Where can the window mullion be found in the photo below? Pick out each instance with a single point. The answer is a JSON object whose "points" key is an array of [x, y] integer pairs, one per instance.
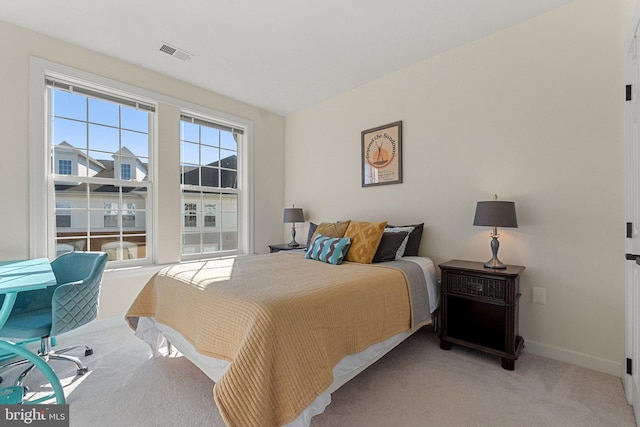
{"points": [[225, 190], [71, 179]]}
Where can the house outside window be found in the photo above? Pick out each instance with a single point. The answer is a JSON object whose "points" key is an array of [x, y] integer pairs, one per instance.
{"points": [[210, 192], [99, 130]]}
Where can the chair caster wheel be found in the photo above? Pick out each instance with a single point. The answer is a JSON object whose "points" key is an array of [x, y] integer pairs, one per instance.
{"points": [[82, 371], [88, 351]]}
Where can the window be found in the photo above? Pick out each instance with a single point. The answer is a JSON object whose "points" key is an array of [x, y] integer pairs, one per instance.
{"points": [[210, 192], [190, 215], [63, 214], [125, 172], [110, 214], [100, 124], [65, 167], [209, 215], [129, 215], [99, 130]]}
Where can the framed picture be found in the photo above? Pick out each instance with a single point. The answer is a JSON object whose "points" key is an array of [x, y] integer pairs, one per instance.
{"points": [[382, 155]]}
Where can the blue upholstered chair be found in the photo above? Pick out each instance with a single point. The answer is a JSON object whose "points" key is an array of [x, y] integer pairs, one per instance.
{"points": [[46, 313]]}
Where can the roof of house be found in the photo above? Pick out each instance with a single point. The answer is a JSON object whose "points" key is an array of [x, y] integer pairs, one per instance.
{"points": [[209, 174]]}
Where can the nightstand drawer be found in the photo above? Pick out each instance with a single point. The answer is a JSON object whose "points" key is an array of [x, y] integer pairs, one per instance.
{"points": [[476, 285]]}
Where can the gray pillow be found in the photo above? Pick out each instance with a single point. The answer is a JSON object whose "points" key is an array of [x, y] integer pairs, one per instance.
{"points": [[413, 244], [389, 245]]}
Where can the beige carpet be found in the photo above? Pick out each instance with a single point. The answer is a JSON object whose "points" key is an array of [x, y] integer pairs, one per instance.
{"points": [[416, 384]]}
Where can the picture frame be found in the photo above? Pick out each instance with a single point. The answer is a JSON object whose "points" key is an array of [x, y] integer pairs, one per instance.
{"points": [[382, 155]]}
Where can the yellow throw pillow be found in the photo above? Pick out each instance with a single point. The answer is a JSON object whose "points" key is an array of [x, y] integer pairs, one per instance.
{"points": [[331, 229], [365, 238]]}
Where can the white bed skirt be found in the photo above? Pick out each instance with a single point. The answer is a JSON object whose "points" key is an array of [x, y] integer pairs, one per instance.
{"points": [[156, 335]]}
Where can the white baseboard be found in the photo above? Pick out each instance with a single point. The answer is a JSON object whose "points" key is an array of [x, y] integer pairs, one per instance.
{"points": [[575, 358]]}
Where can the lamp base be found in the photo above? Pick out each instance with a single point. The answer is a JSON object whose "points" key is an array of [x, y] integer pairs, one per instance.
{"points": [[495, 263], [293, 243]]}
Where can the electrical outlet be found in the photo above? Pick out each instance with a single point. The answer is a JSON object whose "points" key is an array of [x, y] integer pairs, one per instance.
{"points": [[537, 295]]}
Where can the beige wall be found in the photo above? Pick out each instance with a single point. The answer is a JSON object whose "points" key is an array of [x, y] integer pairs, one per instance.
{"points": [[533, 113], [119, 288]]}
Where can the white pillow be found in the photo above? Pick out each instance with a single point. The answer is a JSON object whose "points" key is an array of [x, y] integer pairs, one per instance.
{"points": [[403, 245]]}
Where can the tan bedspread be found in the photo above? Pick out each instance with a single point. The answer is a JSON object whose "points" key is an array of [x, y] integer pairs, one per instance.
{"points": [[283, 323]]}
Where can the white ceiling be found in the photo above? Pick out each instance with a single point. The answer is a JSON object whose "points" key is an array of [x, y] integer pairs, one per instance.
{"points": [[280, 55]]}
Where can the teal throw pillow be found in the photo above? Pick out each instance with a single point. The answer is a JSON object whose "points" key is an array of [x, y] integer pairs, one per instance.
{"points": [[328, 249]]}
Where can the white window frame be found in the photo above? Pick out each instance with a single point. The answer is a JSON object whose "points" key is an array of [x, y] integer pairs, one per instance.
{"points": [[200, 221], [42, 199], [111, 221], [41, 218]]}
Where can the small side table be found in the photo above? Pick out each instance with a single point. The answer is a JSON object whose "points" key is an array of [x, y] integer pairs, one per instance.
{"points": [[284, 247], [479, 309]]}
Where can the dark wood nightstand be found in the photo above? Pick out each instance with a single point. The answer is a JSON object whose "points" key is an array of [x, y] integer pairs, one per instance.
{"points": [[284, 247], [479, 309]]}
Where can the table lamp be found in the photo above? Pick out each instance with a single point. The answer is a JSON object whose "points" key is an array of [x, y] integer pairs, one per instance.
{"points": [[293, 215], [495, 214]]}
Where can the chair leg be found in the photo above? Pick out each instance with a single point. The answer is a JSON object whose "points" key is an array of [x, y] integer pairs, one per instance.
{"points": [[58, 392], [46, 353], [81, 368], [23, 375], [49, 354], [9, 357], [44, 345], [88, 351]]}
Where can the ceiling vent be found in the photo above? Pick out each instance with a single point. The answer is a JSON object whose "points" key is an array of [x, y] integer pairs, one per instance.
{"points": [[175, 52]]}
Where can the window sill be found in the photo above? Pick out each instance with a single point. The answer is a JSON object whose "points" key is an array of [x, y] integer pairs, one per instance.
{"points": [[148, 269]]}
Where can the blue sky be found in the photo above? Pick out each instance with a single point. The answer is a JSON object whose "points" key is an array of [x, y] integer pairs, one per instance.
{"points": [[92, 124]]}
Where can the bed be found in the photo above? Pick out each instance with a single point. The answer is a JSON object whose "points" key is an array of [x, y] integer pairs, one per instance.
{"points": [[279, 333]]}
